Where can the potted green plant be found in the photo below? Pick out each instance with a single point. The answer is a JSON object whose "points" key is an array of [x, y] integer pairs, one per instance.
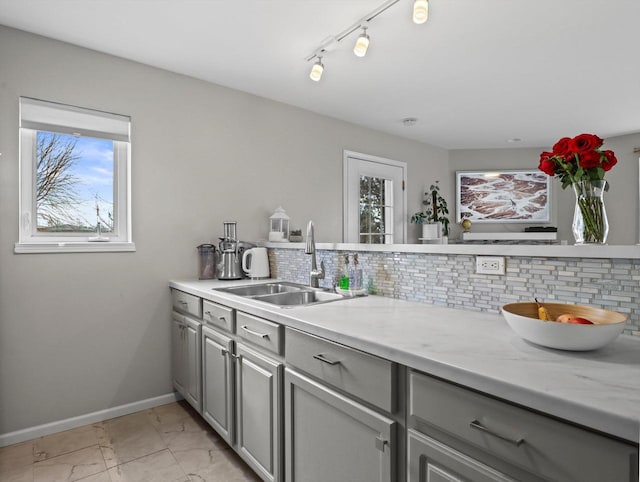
{"points": [[433, 217]]}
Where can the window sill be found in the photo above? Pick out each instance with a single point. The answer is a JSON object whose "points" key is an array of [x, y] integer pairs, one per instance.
{"points": [[73, 247]]}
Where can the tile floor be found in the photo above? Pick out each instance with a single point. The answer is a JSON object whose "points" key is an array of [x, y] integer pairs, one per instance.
{"points": [[170, 443]]}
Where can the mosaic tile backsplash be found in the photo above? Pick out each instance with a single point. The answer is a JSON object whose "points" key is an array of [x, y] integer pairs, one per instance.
{"points": [[450, 280]]}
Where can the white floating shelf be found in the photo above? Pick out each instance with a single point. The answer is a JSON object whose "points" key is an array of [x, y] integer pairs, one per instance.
{"points": [[548, 236]]}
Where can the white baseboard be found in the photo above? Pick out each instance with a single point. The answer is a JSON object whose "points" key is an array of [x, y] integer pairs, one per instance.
{"points": [[11, 438]]}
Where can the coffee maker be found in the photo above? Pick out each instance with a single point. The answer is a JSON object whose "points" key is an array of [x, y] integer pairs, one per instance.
{"points": [[230, 253]]}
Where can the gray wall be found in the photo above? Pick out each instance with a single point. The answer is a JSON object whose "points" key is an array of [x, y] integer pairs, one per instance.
{"points": [[85, 332], [621, 200]]}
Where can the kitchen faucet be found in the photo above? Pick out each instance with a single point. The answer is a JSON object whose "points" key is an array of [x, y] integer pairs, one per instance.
{"points": [[310, 248]]}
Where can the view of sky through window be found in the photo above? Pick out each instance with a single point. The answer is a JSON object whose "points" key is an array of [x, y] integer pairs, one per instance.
{"points": [[74, 175]]}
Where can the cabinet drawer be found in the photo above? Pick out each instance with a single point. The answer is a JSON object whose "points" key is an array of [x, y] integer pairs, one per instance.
{"points": [[186, 303], [218, 315], [541, 445], [365, 376], [259, 332], [430, 459]]}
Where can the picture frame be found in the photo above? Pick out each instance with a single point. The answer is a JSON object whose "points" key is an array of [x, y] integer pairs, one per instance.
{"points": [[505, 196]]}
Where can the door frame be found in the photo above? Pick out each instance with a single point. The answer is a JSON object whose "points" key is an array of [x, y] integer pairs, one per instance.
{"points": [[345, 189]]}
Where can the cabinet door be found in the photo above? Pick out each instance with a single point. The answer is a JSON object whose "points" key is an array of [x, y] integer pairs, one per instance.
{"points": [[192, 363], [331, 437], [177, 353], [258, 409], [217, 382], [432, 461]]}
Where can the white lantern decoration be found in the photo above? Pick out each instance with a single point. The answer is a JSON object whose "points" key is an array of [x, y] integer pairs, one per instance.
{"points": [[279, 231]]}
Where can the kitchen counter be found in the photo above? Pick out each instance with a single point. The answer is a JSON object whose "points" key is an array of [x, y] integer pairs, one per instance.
{"points": [[598, 389]]}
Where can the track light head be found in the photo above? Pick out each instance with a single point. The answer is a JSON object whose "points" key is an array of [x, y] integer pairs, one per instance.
{"points": [[316, 70], [362, 44], [420, 11]]}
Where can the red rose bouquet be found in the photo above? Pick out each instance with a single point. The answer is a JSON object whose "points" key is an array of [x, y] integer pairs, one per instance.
{"points": [[581, 163], [577, 159]]}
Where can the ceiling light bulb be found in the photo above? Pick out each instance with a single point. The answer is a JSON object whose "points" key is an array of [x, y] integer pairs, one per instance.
{"points": [[420, 11], [362, 44], [316, 70]]}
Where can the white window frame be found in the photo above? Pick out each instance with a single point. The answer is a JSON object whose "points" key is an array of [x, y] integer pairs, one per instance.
{"points": [[45, 118], [378, 166]]}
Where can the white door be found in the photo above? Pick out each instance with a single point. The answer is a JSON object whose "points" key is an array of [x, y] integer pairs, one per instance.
{"points": [[374, 199]]}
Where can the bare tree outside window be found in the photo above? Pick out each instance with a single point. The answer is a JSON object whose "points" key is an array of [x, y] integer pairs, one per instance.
{"points": [[74, 185], [55, 184]]}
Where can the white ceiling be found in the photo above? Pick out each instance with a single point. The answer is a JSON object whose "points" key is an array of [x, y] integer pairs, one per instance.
{"points": [[478, 73]]}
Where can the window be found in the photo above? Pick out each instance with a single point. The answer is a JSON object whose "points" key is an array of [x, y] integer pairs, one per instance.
{"points": [[376, 210], [74, 179], [374, 199]]}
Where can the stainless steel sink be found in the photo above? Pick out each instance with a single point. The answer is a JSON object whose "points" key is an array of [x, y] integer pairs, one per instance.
{"points": [[283, 294], [262, 289], [294, 298]]}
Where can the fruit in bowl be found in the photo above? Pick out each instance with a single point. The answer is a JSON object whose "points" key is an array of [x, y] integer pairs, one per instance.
{"points": [[565, 317], [576, 320], [566, 326], [571, 318]]}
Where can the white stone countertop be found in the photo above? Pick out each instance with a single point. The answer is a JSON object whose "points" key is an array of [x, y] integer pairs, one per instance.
{"points": [[597, 389]]}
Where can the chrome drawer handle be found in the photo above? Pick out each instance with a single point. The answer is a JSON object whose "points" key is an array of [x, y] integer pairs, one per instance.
{"points": [[211, 315], [324, 359], [183, 303], [478, 426], [264, 336]]}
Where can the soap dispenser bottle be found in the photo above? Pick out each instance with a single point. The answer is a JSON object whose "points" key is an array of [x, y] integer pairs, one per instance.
{"points": [[355, 274], [344, 277]]}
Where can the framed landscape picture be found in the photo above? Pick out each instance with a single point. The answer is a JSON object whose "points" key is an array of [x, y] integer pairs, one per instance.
{"points": [[503, 196]]}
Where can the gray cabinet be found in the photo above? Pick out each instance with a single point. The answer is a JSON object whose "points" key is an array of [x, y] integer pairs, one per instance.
{"points": [[433, 461], [178, 371], [186, 369], [218, 383], [527, 446], [330, 437], [366, 377], [258, 411], [242, 388], [186, 303]]}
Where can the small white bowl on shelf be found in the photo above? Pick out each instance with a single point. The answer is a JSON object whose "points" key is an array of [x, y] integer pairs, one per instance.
{"points": [[523, 319]]}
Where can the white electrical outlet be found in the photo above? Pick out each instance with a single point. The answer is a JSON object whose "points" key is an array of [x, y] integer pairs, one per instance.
{"points": [[490, 264]]}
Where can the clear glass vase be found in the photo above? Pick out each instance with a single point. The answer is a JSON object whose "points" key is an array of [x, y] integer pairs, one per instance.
{"points": [[590, 224]]}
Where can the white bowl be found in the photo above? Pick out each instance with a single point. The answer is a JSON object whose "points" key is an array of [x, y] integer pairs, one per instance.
{"points": [[523, 319]]}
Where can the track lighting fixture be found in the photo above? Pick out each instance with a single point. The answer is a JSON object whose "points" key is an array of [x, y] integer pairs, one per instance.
{"points": [[420, 11], [362, 44], [420, 15], [316, 70]]}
